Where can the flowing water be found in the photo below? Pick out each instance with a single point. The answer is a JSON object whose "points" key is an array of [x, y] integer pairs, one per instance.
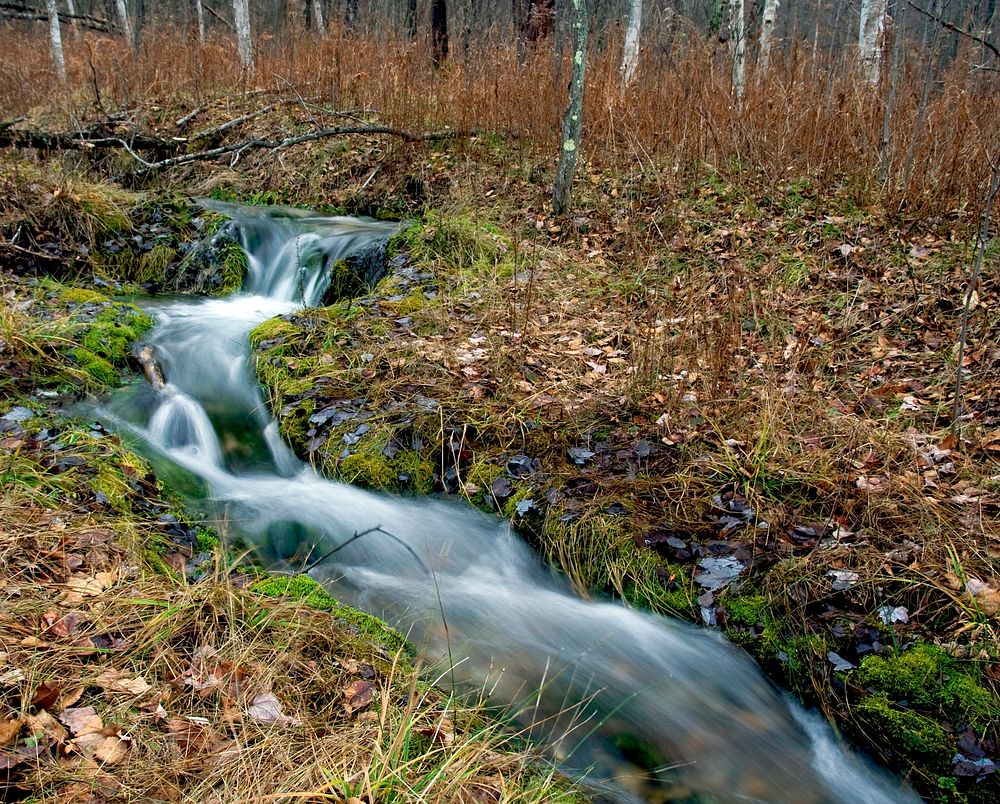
{"points": [[606, 687]]}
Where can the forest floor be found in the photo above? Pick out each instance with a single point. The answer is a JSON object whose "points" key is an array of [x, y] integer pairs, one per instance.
{"points": [[706, 393]]}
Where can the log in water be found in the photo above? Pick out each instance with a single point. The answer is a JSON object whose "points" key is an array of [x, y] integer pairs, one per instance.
{"points": [[606, 687]]}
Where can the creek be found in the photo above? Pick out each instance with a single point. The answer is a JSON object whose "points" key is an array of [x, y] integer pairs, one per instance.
{"points": [[643, 707]]}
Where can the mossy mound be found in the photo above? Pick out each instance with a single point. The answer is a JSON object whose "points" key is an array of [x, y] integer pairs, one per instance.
{"points": [[311, 593], [67, 339], [71, 228]]}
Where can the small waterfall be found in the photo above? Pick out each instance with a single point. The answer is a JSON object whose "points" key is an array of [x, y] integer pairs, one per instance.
{"points": [[598, 681], [180, 423]]}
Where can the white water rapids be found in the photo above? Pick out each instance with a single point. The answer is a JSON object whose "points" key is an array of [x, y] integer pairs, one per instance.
{"points": [[589, 678]]}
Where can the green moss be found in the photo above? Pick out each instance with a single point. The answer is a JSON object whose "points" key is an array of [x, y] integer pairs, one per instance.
{"points": [[153, 264], [73, 296], [367, 469], [272, 329], [100, 374], [234, 267], [118, 266], [414, 472], [928, 678], [112, 332], [456, 246], [101, 208], [408, 470], [906, 731], [208, 540], [343, 282], [314, 595]]}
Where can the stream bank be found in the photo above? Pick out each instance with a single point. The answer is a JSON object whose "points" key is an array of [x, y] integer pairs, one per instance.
{"points": [[142, 657], [500, 372]]}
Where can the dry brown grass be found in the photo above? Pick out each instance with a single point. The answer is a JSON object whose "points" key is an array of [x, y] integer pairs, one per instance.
{"points": [[119, 685], [807, 116]]}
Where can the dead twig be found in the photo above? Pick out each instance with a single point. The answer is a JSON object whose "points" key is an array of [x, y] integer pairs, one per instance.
{"points": [[181, 122], [360, 535]]}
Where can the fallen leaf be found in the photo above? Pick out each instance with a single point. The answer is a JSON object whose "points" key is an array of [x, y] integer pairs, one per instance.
{"points": [[107, 748], [358, 695], [82, 720], [839, 663], [43, 723], [9, 730], [266, 708], [114, 680], [192, 735], [20, 756]]}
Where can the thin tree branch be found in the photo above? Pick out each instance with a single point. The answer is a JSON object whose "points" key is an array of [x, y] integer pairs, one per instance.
{"points": [[17, 11], [218, 16], [210, 132], [359, 535], [955, 29]]}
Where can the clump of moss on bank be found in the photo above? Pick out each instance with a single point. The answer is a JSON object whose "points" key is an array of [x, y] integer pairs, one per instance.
{"points": [[68, 226], [311, 593]]}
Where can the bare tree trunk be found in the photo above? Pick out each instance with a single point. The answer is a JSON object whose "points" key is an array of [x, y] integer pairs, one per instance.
{"points": [[55, 39], [199, 11], [572, 124], [71, 8], [244, 42], [931, 46], [140, 20], [317, 14], [870, 35], [439, 31], [767, 20], [898, 28], [738, 44], [411, 18], [122, 8], [630, 54]]}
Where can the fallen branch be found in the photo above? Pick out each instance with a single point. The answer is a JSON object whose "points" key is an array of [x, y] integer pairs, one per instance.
{"points": [[238, 148], [151, 368], [238, 121], [10, 11], [181, 122], [79, 140]]}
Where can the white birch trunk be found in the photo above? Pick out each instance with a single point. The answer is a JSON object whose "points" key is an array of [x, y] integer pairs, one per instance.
{"points": [[630, 55], [55, 39], [199, 11], [244, 43], [71, 8], [870, 34], [738, 44], [767, 21], [317, 9], [124, 21]]}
